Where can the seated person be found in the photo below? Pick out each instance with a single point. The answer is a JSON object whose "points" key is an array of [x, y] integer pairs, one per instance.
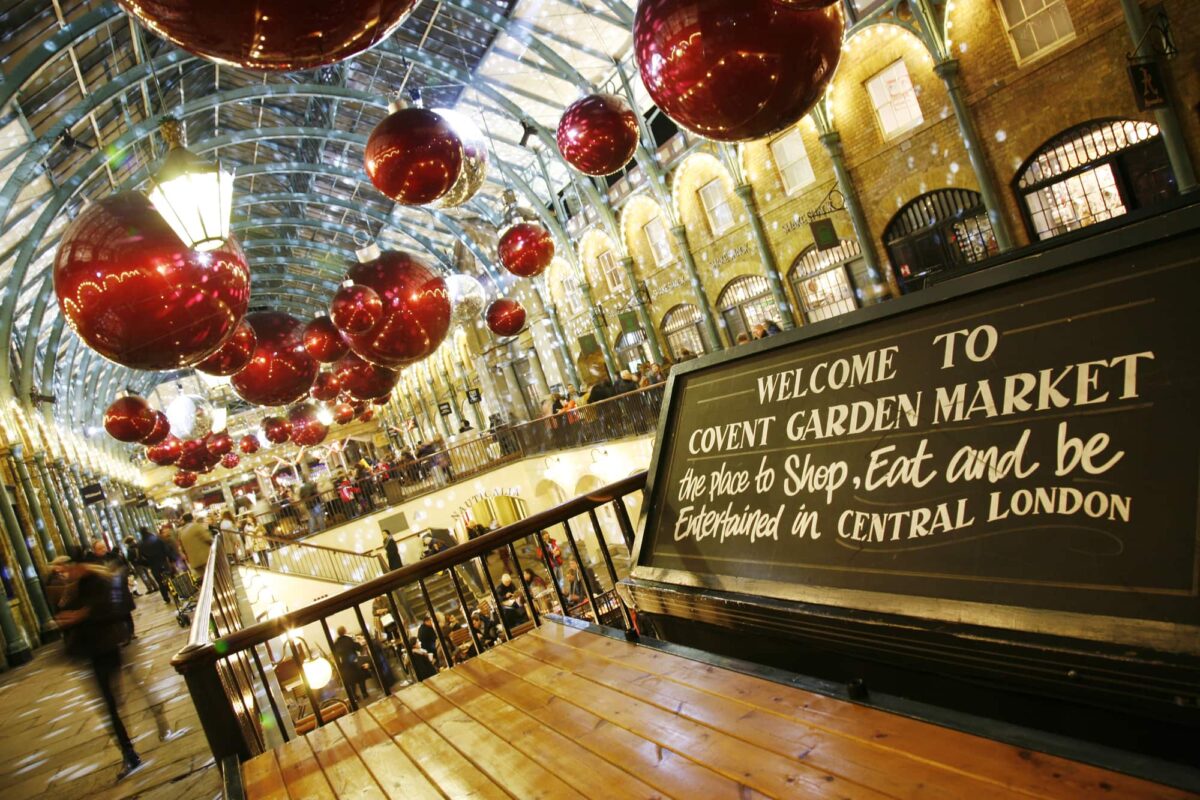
{"points": [[506, 589], [422, 662], [574, 589]]}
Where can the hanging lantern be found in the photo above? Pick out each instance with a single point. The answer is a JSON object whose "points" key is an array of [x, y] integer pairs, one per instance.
{"points": [[355, 309], [281, 370], [234, 355], [467, 298], [248, 444], [416, 309], [598, 134], [505, 317], [363, 380], [317, 672], [414, 156], [475, 159], [736, 70], [526, 249], [272, 35], [162, 429], [220, 444], [230, 460], [323, 341], [343, 413], [184, 479], [326, 387], [193, 196], [137, 296], [276, 430], [165, 452], [129, 419]]}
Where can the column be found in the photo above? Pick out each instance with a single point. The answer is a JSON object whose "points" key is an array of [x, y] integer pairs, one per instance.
{"points": [[20, 465], [59, 471], [90, 530], [52, 495], [480, 422], [858, 220], [450, 389], [706, 311], [560, 339], [746, 192], [643, 313], [21, 550], [601, 331]]}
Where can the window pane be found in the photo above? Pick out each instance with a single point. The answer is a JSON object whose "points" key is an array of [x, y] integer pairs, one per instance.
{"points": [[895, 99]]}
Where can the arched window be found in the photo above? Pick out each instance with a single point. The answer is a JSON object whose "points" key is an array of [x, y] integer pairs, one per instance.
{"points": [[745, 302], [936, 233], [681, 329], [633, 349], [1091, 173], [822, 282]]}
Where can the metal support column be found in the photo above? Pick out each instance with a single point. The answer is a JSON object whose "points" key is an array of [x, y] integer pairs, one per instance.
{"points": [[21, 548], [858, 220], [746, 192], [20, 464], [643, 313], [706, 311], [52, 495]]}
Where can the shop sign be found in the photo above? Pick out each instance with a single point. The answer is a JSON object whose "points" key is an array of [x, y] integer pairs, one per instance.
{"points": [[1149, 90], [474, 397], [444, 409], [92, 493]]}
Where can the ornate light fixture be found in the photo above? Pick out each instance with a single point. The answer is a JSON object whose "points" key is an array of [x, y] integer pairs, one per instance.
{"points": [[193, 196]]}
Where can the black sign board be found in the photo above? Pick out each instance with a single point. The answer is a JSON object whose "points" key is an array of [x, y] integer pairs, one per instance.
{"points": [[1149, 90], [1034, 445], [474, 397], [92, 493], [824, 234], [444, 409]]}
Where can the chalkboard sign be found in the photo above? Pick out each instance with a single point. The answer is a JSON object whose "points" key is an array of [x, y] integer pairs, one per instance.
{"points": [[1031, 446], [444, 409], [91, 493]]}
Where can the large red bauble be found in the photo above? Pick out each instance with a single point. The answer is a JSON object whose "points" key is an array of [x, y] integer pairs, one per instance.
{"points": [[356, 309], [301, 414], [323, 341], [598, 134], [343, 413], [130, 419], [162, 429], [276, 35], [230, 460], [363, 380], [248, 444], [136, 295], [367, 416], [416, 309], [220, 443], [165, 452], [276, 430], [311, 433], [414, 156], [735, 70], [196, 456], [526, 249], [234, 355], [326, 387], [281, 370], [505, 317], [184, 479]]}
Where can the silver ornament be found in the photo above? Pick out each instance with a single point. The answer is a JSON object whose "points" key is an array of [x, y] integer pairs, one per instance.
{"points": [[467, 298]]}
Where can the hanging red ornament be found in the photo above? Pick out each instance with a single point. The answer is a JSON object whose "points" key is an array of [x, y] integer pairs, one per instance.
{"points": [[326, 387], [195, 456], [130, 419], [356, 309], [310, 434], [234, 355], [272, 35], [359, 406], [248, 444], [281, 370], [414, 156], [505, 317], [382, 401], [162, 429], [230, 460], [322, 340], [220, 443], [367, 415], [136, 295], [598, 134], [736, 70], [343, 413], [526, 249], [165, 452], [184, 479], [363, 380], [416, 309], [276, 430]]}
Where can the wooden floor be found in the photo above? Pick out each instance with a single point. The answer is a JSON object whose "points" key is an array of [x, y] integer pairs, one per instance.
{"points": [[562, 713]]}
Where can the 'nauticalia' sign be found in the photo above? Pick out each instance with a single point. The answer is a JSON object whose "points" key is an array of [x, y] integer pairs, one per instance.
{"points": [[1031, 445]]}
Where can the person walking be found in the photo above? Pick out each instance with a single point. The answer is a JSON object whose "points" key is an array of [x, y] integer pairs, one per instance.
{"points": [[157, 557], [392, 550], [133, 552], [195, 540]]}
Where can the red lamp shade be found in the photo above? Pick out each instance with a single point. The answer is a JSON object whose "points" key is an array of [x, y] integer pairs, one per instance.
{"points": [[323, 341], [343, 413], [505, 317], [281, 370], [136, 295], [230, 460], [234, 355], [526, 249], [416, 309], [356, 309], [162, 429], [276, 430], [735, 70], [598, 134], [414, 156], [220, 444], [184, 479], [165, 452], [363, 380], [130, 419], [272, 35], [248, 444], [326, 387]]}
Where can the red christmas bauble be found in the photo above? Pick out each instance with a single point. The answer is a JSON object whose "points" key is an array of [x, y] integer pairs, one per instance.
{"points": [[359, 406], [165, 452], [162, 429], [196, 457], [736, 70], [414, 156], [598, 134], [130, 419], [416, 309], [505, 317], [273, 35], [184, 479], [343, 413], [248, 444], [310, 434], [356, 309], [230, 460], [136, 295], [326, 387], [281, 370], [301, 414], [363, 380], [234, 355], [323, 341], [526, 249], [382, 401], [367, 415], [220, 443], [276, 430]]}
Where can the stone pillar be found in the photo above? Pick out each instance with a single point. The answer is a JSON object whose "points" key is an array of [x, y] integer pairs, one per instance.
{"points": [[20, 464], [51, 492], [858, 220], [746, 192], [706, 311], [58, 471], [21, 548]]}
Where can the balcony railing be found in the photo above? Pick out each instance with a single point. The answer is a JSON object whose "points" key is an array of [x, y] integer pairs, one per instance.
{"points": [[240, 677]]}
